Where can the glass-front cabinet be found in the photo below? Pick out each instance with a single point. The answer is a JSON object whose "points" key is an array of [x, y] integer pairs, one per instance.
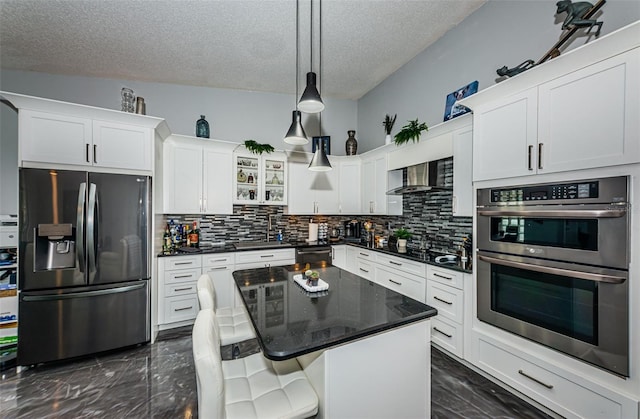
{"points": [[260, 179]]}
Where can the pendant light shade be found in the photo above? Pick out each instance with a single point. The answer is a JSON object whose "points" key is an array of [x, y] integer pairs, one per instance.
{"points": [[296, 134], [311, 102], [320, 162]]}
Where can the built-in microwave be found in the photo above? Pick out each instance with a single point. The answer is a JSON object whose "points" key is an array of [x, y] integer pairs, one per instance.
{"points": [[553, 266]]}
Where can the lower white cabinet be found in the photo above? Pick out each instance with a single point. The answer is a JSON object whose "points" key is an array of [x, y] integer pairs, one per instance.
{"points": [[406, 284], [177, 292], [339, 256], [265, 258], [561, 391], [220, 267], [446, 293]]}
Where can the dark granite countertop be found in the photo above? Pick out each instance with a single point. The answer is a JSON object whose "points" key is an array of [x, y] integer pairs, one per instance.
{"points": [[229, 247], [290, 321]]}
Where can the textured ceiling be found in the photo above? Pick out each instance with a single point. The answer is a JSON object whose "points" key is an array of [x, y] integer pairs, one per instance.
{"points": [[233, 44]]}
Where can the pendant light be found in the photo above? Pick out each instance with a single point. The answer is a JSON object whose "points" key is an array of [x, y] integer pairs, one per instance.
{"points": [[310, 101], [320, 161], [296, 134]]}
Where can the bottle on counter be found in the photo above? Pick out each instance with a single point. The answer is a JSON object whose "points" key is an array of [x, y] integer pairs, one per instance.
{"points": [[194, 235], [279, 236], [166, 241]]}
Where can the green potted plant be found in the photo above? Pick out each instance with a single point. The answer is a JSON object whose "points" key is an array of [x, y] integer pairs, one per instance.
{"points": [[410, 132], [257, 148], [388, 126], [402, 234]]}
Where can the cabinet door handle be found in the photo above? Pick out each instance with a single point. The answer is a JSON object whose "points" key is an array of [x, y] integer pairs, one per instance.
{"points": [[184, 308], [442, 301], [86, 153], [218, 260], [540, 145], [395, 263], [549, 386], [441, 332], [183, 289], [529, 156], [183, 263], [442, 276], [395, 282], [364, 254], [218, 268], [95, 153], [267, 256], [183, 276], [364, 270]]}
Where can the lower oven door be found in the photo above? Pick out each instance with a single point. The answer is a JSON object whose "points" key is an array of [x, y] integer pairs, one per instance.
{"points": [[576, 309]]}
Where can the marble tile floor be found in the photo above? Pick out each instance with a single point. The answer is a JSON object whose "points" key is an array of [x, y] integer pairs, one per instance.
{"points": [[158, 381]]}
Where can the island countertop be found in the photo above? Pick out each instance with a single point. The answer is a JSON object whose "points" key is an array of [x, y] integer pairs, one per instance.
{"points": [[290, 321]]}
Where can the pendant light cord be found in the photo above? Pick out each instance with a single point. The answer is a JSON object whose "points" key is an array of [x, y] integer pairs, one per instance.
{"points": [[297, 41], [320, 62]]}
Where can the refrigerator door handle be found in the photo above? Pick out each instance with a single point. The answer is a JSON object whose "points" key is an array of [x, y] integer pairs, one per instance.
{"points": [[91, 230], [82, 193], [107, 291]]}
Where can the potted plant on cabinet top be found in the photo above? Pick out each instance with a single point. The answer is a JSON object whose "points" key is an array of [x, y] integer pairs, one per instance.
{"points": [[402, 234], [411, 131], [388, 126]]}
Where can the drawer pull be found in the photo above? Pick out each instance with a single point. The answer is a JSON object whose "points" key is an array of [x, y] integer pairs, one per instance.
{"points": [[183, 263], [441, 300], [184, 308], [364, 270], [218, 260], [183, 276], [183, 289], [364, 254], [267, 256], [395, 282], [549, 386], [442, 276], [395, 263], [218, 268], [440, 331]]}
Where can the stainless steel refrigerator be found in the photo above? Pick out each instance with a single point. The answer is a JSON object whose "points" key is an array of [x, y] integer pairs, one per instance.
{"points": [[83, 263]]}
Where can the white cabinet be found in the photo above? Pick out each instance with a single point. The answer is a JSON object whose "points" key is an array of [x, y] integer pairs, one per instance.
{"points": [[197, 176], [312, 192], [177, 290], [445, 291], [260, 179], [401, 275], [339, 256], [584, 119], [462, 204], [264, 258], [351, 264], [64, 139], [220, 267], [375, 182], [350, 185]]}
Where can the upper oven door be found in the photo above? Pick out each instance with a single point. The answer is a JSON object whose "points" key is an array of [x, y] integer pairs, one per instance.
{"points": [[594, 234]]}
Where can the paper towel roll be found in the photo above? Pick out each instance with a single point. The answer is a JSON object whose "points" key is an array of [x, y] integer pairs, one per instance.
{"points": [[313, 232]]}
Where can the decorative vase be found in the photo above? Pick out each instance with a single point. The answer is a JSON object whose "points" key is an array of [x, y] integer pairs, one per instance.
{"points": [[402, 243], [351, 145], [202, 128], [127, 100], [387, 139]]}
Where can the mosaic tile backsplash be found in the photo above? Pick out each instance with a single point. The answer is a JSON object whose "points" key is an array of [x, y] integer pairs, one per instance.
{"points": [[427, 214]]}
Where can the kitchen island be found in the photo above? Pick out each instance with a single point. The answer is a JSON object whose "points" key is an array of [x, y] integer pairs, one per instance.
{"points": [[365, 348]]}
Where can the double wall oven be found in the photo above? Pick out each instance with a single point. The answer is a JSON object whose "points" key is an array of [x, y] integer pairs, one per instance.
{"points": [[553, 266]]}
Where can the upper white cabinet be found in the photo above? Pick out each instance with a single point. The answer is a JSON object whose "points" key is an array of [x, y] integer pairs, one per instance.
{"points": [[63, 139], [462, 205], [579, 120], [375, 182], [197, 176], [350, 168], [312, 192], [260, 179]]}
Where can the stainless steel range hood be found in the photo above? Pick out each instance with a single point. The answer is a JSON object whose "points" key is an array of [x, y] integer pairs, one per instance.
{"points": [[423, 177]]}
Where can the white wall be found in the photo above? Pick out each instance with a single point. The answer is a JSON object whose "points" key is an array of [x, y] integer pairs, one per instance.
{"points": [[497, 34], [233, 115]]}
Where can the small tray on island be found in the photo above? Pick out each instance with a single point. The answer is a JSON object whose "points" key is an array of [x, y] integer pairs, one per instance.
{"points": [[301, 280]]}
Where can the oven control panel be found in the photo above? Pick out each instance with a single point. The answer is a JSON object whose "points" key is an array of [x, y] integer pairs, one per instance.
{"points": [[579, 190]]}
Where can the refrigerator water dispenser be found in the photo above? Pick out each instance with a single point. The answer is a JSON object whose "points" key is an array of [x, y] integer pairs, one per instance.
{"points": [[55, 247]]}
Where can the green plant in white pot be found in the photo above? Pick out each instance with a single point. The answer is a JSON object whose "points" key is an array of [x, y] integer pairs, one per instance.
{"points": [[402, 234]]}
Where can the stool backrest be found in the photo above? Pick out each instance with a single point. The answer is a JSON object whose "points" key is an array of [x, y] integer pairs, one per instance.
{"points": [[208, 363], [206, 292]]}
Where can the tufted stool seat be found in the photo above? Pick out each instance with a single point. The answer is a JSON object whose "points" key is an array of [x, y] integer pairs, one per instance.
{"points": [[233, 322], [251, 387]]}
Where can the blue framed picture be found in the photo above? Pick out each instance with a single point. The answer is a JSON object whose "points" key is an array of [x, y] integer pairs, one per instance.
{"points": [[325, 141], [453, 109]]}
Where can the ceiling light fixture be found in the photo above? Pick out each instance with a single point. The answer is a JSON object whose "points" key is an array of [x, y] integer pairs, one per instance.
{"points": [[310, 101], [296, 134], [320, 161]]}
